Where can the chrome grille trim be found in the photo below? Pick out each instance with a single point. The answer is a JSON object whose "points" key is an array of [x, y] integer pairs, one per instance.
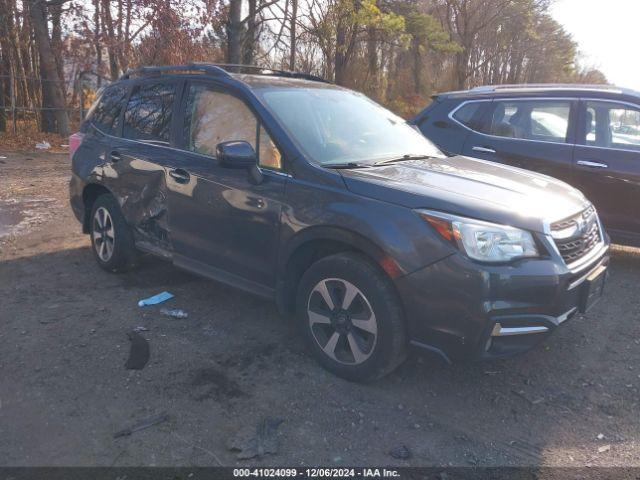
{"points": [[578, 237]]}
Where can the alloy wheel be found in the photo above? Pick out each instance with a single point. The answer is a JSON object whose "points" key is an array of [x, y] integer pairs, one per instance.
{"points": [[103, 234], [342, 321]]}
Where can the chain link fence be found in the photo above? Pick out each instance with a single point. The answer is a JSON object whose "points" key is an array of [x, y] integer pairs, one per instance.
{"points": [[21, 105]]}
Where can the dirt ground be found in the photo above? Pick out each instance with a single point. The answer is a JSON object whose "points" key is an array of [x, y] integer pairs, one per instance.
{"points": [[64, 390]]}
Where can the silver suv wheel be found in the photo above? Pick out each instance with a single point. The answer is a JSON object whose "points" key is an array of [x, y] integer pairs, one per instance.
{"points": [[103, 234], [342, 321]]}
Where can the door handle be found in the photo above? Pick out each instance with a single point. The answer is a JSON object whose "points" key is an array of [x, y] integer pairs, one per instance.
{"points": [[483, 149], [179, 175], [115, 156], [587, 163]]}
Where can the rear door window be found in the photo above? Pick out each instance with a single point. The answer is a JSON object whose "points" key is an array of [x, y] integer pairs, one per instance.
{"points": [[148, 114], [469, 114], [543, 120], [612, 125], [213, 117], [106, 115]]}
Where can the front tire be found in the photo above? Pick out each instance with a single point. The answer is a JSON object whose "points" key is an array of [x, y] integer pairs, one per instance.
{"points": [[111, 238], [351, 317]]}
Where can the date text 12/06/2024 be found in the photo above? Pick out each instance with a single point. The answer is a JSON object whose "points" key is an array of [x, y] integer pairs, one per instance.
{"points": [[315, 473]]}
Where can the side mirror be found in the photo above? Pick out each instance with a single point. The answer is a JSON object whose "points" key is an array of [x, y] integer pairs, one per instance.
{"points": [[236, 154]]}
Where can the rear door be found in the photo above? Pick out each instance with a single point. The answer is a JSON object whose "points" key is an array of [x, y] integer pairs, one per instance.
{"points": [[224, 224], [141, 160], [607, 163], [534, 134]]}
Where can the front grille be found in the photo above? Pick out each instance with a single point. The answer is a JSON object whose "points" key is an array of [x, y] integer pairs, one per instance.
{"points": [[576, 236]]}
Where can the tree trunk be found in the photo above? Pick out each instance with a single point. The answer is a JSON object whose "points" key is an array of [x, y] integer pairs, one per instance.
{"points": [[462, 68], [417, 66], [4, 83], [112, 44], [292, 27], [250, 39], [96, 39], [124, 63], [373, 64], [52, 96], [56, 39], [6, 61], [234, 32], [340, 59]]}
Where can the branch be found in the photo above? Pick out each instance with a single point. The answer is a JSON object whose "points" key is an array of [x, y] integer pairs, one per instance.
{"points": [[55, 3]]}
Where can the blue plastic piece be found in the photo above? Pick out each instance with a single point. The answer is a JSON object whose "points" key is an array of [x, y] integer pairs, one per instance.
{"points": [[159, 298]]}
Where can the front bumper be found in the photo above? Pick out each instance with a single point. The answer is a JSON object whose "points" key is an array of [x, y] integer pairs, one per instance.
{"points": [[462, 309]]}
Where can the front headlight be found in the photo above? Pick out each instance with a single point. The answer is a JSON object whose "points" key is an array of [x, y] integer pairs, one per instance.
{"points": [[482, 241]]}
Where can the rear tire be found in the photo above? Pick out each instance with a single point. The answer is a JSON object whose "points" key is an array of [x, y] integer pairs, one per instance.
{"points": [[351, 317], [111, 238]]}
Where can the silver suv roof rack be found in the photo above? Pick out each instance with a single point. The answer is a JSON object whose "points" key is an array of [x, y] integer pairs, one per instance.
{"points": [[547, 86], [218, 70]]}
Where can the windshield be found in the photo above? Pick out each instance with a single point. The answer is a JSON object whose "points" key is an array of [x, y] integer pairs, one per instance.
{"points": [[336, 126]]}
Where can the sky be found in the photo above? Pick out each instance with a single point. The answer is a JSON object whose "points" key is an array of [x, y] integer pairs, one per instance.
{"points": [[608, 36]]}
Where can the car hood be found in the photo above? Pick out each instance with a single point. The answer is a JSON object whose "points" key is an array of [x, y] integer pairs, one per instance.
{"points": [[471, 188]]}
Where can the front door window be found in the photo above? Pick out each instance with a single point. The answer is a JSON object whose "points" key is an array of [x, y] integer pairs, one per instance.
{"points": [[213, 117]]}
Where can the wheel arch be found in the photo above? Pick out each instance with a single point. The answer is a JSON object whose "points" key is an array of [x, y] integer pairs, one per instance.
{"points": [[89, 195], [314, 243]]}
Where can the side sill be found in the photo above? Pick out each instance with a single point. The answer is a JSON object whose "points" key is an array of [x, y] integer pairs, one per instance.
{"points": [[148, 247], [223, 276]]}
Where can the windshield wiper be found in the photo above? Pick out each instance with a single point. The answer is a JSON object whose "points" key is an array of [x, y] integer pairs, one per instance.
{"points": [[404, 158], [345, 165]]}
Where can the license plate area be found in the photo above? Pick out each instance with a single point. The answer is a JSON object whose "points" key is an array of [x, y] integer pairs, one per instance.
{"points": [[592, 289]]}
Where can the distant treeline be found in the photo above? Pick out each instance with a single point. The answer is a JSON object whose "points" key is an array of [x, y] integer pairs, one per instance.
{"points": [[396, 51]]}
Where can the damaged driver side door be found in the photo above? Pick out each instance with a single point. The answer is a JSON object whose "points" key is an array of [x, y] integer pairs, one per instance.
{"points": [[224, 224]]}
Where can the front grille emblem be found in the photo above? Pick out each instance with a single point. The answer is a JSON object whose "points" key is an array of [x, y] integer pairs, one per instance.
{"points": [[576, 236]]}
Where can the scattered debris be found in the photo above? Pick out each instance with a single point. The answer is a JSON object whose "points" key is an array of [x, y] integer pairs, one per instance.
{"points": [[401, 453], [140, 329], [604, 448], [492, 373], [139, 353], [44, 145], [142, 424], [258, 442], [600, 436], [159, 298], [174, 312]]}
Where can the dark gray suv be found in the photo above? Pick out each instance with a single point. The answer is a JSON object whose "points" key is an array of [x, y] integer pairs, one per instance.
{"points": [[314, 196]]}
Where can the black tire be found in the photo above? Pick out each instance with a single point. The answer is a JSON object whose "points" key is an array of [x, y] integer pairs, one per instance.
{"points": [[342, 272], [124, 255]]}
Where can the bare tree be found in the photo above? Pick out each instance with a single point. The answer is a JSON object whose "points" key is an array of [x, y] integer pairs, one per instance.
{"points": [[52, 93]]}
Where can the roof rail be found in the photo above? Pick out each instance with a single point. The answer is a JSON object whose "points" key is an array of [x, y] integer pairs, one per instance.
{"points": [[195, 67], [258, 70], [219, 70], [533, 86]]}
